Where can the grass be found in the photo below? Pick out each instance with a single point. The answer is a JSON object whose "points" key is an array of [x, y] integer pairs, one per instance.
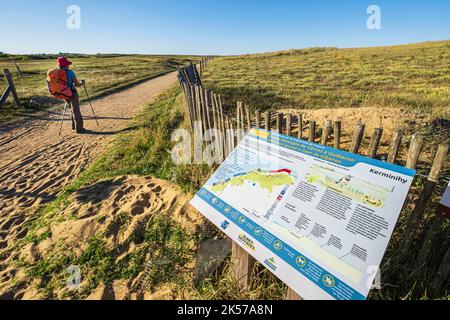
{"points": [[104, 74], [165, 246], [411, 76], [144, 150]]}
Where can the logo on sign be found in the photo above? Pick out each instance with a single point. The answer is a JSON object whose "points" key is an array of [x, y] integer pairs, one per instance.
{"points": [[271, 263], [246, 241], [278, 245], [300, 261], [225, 225], [328, 280], [258, 231]]}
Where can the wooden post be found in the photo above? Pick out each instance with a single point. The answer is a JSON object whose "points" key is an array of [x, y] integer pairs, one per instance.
{"points": [[375, 142], [279, 121], [249, 119], [215, 120], [442, 273], [326, 132], [312, 130], [194, 102], [219, 99], [232, 140], [242, 117], [17, 67], [267, 120], [216, 125], [188, 98], [198, 95], [395, 146], [300, 126], [416, 216], [358, 137], [292, 295], [337, 134], [243, 266], [414, 151], [12, 88], [202, 109], [207, 108], [289, 124], [238, 121], [258, 119]]}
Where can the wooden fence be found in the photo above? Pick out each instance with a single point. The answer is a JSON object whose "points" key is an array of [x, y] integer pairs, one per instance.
{"points": [[207, 108], [10, 89]]}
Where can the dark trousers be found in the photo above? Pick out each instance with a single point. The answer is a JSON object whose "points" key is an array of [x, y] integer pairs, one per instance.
{"points": [[77, 118]]}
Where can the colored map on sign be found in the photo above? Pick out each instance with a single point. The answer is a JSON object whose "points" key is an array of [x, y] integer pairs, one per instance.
{"points": [[265, 179], [255, 192], [348, 185]]}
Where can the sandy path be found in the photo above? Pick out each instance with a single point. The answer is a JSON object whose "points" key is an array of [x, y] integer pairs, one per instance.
{"points": [[36, 163]]}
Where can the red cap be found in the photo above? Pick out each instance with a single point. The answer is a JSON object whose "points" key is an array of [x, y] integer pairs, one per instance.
{"points": [[63, 62]]}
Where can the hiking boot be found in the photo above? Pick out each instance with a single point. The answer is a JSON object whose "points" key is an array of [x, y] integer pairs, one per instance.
{"points": [[81, 131]]}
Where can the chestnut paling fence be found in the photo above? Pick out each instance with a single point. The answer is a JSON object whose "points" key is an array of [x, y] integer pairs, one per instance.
{"points": [[419, 235], [10, 89]]}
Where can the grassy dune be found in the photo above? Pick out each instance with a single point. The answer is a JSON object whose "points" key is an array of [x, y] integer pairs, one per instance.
{"points": [[143, 151], [103, 74], [413, 76]]}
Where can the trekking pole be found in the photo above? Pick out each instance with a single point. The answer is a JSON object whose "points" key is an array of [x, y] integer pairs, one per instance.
{"points": [[89, 99], [63, 116]]}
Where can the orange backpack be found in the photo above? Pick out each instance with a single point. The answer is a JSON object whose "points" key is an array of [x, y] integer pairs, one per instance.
{"points": [[57, 84]]}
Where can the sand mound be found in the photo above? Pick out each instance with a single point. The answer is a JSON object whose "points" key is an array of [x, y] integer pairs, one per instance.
{"points": [[117, 211]]}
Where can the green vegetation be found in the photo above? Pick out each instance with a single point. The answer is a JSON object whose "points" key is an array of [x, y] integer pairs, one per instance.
{"points": [[145, 150], [411, 76], [165, 247], [265, 180], [414, 76], [104, 74]]}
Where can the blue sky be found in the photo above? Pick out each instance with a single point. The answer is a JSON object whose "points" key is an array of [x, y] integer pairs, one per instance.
{"points": [[215, 27]]}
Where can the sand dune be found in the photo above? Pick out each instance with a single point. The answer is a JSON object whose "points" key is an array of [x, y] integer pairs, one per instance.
{"points": [[36, 164]]}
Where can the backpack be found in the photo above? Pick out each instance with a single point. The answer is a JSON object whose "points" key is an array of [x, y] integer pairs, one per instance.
{"points": [[57, 84]]}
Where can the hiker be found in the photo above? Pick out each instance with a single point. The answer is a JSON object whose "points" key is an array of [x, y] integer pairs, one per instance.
{"points": [[73, 101]]}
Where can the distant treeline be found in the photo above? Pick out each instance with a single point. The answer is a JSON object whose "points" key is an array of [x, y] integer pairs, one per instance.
{"points": [[45, 56]]}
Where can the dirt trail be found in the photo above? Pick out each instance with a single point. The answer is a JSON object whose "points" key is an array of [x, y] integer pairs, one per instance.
{"points": [[36, 163]]}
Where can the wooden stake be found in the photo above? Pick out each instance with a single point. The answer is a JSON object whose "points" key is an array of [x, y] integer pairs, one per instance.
{"points": [[243, 266], [312, 130], [267, 120], [289, 124], [258, 119], [198, 92], [442, 273], [292, 295], [414, 151], [326, 132], [17, 67], [416, 217], [238, 120], [208, 109], [249, 119], [395, 146], [11, 88], [279, 121], [300, 126], [358, 137], [375, 142], [337, 134]]}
